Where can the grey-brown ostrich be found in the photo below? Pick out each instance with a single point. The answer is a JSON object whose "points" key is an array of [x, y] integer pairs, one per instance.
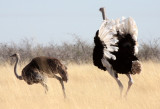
{"points": [[116, 47], [39, 69]]}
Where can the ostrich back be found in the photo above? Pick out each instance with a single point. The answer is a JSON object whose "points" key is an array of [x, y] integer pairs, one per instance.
{"points": [[44, 65]]}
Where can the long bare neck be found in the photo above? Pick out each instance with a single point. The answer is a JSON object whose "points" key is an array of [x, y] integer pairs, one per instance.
{"points": [[15, 69], [103, 13]]}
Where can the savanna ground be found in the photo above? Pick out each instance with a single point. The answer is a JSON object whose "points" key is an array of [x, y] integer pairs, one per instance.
{"points": [[87, 88]]}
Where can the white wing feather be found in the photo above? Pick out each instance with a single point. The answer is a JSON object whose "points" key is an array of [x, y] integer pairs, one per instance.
{"points": [[108, 30]]}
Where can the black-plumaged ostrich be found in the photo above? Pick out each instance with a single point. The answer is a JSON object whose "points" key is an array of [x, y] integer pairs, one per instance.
{"points": [[39, 69], [116, 47]]}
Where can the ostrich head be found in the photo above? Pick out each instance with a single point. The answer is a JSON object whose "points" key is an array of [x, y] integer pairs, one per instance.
{"points": [[63, 72], [16, 55]]}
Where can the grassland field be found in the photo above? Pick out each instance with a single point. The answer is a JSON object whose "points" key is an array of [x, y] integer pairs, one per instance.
{"points": [[88, 88]]}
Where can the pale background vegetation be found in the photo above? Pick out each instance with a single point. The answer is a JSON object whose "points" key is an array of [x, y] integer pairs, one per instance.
{"points": [[79, 51], [87, 88]]}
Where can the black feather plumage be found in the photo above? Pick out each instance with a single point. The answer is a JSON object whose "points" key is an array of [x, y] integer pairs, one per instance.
{"points": [[98, 52], [116, 44], [125, 54]]}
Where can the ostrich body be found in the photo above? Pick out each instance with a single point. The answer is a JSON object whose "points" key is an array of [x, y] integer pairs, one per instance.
{"points": [[116, 47], [39, 69]]}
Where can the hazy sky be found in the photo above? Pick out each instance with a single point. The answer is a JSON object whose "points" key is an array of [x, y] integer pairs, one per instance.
{"points": [[55, 20]]}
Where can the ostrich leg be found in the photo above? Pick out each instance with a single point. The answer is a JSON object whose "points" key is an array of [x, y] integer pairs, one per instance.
{"points": [[61, 81], [113, 74], [130, 82], [45, 86]]}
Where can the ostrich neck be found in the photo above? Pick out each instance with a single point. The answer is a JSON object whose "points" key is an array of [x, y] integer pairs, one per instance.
{"points": [[15, 69], [103, 13]]}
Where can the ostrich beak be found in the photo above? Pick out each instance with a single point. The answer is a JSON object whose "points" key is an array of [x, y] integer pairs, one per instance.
{"points": [[13, 55]]}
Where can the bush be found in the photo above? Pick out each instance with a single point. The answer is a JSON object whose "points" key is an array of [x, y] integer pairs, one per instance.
{"points": [[150, 51], [78, 52]]}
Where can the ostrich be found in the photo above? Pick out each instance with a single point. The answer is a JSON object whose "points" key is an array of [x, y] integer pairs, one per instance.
{"points": [[39, 69], [116, 47]]}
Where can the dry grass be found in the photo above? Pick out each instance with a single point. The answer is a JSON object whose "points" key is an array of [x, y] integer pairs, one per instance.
{"points": [[87, 88]]}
